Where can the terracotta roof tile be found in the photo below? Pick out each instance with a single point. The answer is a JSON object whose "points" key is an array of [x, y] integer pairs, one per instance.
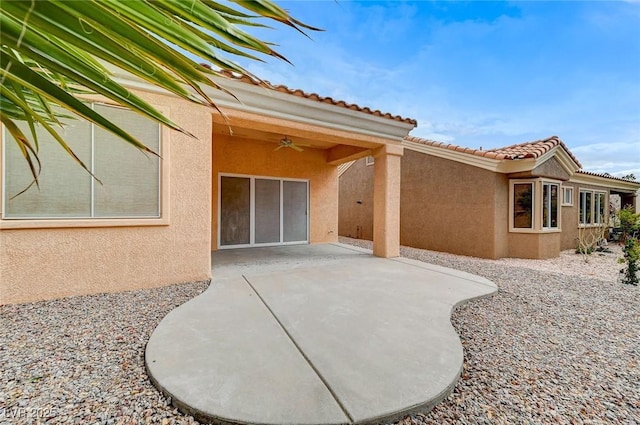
{"points": [[316, 97], [606, 176], [477, 152], [533, 149], [526, 150]]}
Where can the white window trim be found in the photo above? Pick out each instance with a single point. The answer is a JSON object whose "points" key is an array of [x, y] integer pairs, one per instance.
{"points": [[559, 211], [369, 160], [82, 222], [537, 198], [512, 227], [252, 211], [564, 190], [594, 193]]}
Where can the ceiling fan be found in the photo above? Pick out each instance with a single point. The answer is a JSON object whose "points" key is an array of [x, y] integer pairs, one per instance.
{"points": [[285, 142]]}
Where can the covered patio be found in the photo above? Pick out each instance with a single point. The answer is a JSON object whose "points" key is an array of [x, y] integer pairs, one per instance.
{"points": [[313, 334]]}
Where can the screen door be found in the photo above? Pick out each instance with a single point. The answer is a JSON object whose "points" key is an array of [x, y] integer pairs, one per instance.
{"points": [[262, 211]]}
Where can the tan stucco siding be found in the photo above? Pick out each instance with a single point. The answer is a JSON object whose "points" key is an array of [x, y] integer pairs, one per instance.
{"points": [[38, 264], [570, 219], [534, 245], [447, 206], [356, 201], [501, 217], [235, 155], [551, 168]]}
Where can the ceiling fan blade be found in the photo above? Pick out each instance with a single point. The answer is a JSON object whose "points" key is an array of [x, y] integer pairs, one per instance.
{"points": [[296, 147], [278, 148]]}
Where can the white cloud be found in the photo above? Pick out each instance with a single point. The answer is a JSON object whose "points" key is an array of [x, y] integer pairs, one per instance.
{"points": [[613, 158]]}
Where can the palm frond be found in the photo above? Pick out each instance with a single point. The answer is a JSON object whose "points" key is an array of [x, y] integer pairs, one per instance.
{"points": [[52, 52]]}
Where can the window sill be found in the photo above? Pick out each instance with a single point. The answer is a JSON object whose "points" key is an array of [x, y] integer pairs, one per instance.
{"points": [[535, 231], [78, 223], [589, 226]]}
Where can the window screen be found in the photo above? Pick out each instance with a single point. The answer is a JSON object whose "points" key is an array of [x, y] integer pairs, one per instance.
{"points": [[131, 179]]}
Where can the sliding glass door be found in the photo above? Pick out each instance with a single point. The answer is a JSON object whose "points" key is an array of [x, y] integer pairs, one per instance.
{"points": [[261, 211]]}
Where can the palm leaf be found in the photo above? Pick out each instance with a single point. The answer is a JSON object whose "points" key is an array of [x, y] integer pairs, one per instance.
{"points": [[51, 53]]}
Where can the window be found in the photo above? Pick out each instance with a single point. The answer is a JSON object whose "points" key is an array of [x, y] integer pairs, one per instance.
{"points": [[130, 179], [593, 207], [567, 196], [369, 160], [534, 206], [550, 205], [523, 205]]}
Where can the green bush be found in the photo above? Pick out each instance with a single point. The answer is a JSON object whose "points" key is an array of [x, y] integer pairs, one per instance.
{"points": [[631, 252], [629, 223]]}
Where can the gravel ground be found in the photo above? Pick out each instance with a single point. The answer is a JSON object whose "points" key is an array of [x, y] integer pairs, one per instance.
{"points": [[559, 343]]}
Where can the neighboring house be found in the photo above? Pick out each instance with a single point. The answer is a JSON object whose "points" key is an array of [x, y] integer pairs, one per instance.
{"points": [[264, 174], [528, 200]]}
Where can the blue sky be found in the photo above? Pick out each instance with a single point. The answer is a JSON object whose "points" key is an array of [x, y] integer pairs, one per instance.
{"points": [[478, 73]]}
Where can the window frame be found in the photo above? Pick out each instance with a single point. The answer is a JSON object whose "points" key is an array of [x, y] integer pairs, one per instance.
{"points": [[162, 219], [252, 211], [565, 190], [596, 219], [369, 160], [544, 223], [537, 225], [512, 227]]}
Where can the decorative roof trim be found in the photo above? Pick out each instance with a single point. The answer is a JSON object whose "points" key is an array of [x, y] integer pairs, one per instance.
{"points": [[611, 182], [535, 149], [489, 160], [316, 97], [269, 102]]}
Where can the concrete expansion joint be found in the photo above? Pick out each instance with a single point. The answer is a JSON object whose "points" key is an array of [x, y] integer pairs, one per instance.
{"points": [[302, 353]]}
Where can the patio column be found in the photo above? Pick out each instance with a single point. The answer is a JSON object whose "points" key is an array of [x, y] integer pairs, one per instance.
{"points": [[386, 201]]}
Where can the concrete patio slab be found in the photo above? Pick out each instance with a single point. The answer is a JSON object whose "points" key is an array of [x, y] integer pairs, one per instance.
{"points": [[332, 337]]}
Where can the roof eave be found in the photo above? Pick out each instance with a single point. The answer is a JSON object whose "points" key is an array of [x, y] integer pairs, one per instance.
{"points": [[618, 185], [257, 99]]}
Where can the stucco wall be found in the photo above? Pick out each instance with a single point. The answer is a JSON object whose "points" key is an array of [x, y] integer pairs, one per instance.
{"points": [[235, 155], [570, 219], [501, 226], [356, 201], [37, 264], [534, 245], [551, 168], [447, 206]]}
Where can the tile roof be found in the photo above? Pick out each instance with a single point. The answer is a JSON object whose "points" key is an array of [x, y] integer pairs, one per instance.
{"points": [[533, 149], [526, 150], [316, 97], [606, 176], [477, 152]]}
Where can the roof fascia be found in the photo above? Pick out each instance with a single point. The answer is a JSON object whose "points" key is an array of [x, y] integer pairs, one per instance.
{"points": [[562, 156], [581, 178], [504, 166], [264, 101], [267, 102], [465, 158]]}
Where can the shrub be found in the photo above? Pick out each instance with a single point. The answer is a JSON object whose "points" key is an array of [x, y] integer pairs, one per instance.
{"points": [[631, 251], [629, 223]]}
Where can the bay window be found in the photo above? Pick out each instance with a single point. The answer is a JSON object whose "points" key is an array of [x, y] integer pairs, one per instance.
{"points": [[534, 205], [523, 205]]}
